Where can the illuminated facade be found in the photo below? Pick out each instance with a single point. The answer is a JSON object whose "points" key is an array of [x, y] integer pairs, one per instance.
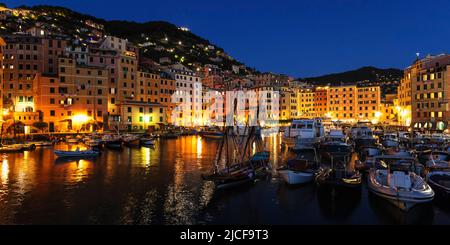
{"points": [[156, 87], [369, 102], [75, 100], [320, 106], [25, 56], [430, 92], [288, 103], [342, 103], [305, 100], [2, 45]]}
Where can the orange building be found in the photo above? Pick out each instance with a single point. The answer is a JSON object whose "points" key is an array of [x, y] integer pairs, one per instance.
{"points": [[342, 102], [76, 100], [369, 102], [320, 101]]}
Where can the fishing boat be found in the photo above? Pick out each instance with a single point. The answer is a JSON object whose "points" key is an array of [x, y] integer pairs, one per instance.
{"points": [[362, 136], [390, 140], [77, 153], [304, 132], [300, 170], [397, 182]]}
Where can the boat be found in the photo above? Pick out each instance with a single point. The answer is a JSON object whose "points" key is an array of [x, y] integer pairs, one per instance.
{"points": [[397, 182], [131, 140], [233, 165], [390, 140], [169, 135], [77, 153], [71, 140], [211, 134], [113, 142], [42, 143], [147, 141], [11, 148], [366, 155], [300, 170], [93, 143], [338, 178], [362, 136], [425, 156], [437, 175], [334, 147], [307, 132]]}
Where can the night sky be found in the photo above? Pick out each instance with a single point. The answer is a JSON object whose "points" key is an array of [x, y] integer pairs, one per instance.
{"points": [[299, 38]]}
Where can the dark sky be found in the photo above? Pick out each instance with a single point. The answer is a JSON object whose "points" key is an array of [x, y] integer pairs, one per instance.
{"points": [[295, 37]]}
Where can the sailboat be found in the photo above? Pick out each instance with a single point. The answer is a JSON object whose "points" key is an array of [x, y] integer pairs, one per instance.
{"points": [[234, 165]]}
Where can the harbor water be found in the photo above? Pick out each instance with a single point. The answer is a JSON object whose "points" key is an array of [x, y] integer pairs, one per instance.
{"points": [[163, 185]]}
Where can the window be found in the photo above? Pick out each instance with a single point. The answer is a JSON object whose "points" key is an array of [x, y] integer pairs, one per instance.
{"points": [[129, 109], [52, 113]]}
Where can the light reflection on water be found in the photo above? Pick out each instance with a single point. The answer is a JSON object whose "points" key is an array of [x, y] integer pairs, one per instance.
{"points": [[162, 185]]}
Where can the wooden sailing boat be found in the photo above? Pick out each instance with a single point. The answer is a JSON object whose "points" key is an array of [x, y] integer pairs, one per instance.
{"points": [[233, 165]]}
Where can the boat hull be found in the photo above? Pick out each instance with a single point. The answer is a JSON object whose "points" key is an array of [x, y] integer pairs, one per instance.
{"points": [[296, 177], [403, 199]]}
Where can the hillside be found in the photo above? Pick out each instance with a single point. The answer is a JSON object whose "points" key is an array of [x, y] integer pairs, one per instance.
{"points": [[388, 79], [369, 74], [157, 39]]}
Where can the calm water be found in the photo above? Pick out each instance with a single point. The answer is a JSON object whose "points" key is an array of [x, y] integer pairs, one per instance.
{"points": [[163, 185]]}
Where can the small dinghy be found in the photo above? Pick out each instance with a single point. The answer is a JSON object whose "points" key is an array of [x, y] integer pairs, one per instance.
{"points": [[77, 153], [147, 142], [399, 184]]}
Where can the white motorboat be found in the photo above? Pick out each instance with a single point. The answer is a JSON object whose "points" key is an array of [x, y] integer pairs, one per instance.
{"points": [[304, 132], [77, 153], [300, 170], [398, 184]]}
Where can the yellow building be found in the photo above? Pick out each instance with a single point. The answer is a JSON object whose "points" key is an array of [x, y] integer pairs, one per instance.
{"points": [[156, 87], [305, 101], [430, 92], [288, 103], [404, 99], [2, 45], [141, 115]]}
